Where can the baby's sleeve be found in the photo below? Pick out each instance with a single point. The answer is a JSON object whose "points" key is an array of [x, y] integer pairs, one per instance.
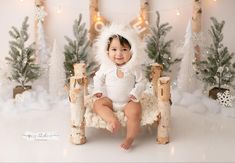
{"points": [[140, 84], [98, 79]]}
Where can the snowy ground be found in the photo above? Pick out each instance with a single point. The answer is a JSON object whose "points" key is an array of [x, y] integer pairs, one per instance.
{"points": [[201, 131], [39, 99]]}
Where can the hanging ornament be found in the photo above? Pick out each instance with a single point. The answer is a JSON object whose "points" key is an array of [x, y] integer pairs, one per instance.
{"points": [[97, 22], [166, 56], [220, 70], [141, 23], [40, 13]]}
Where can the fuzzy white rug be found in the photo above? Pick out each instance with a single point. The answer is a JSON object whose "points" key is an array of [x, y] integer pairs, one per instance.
{"points": [[149, 113]]}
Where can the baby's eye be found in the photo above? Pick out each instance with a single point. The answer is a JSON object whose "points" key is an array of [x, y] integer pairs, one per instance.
{"points": [[114, 49], [125, 49]]}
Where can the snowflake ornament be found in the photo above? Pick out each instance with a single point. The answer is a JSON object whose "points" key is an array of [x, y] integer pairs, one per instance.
{"points": [[40, 13], [225, 99]]}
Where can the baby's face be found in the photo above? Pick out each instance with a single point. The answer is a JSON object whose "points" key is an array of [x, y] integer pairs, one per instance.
{"points": [[119, 54]]}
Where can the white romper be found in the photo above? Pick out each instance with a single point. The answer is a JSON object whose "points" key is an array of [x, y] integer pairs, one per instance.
{"points": [[119, 89]]}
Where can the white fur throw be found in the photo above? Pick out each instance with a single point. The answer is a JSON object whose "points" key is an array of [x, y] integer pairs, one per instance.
{"points": [[149, 113]]}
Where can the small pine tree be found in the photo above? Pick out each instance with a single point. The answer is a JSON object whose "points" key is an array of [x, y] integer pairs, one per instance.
{"points": [[22, 57], [157, 48], [76, 51], [216, 68]]}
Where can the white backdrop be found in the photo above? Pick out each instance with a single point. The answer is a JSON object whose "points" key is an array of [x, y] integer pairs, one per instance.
{"points": [[12, 12]]}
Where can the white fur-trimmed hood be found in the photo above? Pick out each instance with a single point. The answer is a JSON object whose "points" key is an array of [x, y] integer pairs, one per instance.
{"points": [[137, 46]]}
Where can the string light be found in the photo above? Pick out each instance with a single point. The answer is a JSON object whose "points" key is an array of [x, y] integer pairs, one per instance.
{"points": [[178, 12], [59, 9], [98, 18], [98, 23], [140, 18]]}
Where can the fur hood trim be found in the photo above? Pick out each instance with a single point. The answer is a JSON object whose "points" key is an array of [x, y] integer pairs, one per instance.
{"points": [[139, 56]]}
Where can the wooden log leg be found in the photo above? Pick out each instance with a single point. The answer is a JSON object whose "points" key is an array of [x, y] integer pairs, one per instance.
{"points": [[164, 108], [78, 134], [76, 97], [164, 123]]}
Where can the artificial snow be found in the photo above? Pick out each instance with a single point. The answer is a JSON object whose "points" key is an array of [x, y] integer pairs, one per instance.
{"points": [[38, 99], [200, 103]]}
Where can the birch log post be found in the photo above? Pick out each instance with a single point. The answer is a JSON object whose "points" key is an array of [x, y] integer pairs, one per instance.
{"points": [[164, 109], [156, 70], [196, 26], [76, 96], [39, 28], [38, 4]]}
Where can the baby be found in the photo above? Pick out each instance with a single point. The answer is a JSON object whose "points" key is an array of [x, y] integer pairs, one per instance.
{"points": [[119, 82]]}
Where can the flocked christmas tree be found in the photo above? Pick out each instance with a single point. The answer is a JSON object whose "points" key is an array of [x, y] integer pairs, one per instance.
{"points": [[217, 68], [22, 56], [77, 50], [186, 78], [158, 49]]}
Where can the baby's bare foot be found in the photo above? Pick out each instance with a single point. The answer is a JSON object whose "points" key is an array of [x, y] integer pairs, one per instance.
{"points": [[115, 126], [127, 143]]}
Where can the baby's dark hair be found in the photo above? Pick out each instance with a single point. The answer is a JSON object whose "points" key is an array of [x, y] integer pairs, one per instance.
{"points": [[123, 41]]}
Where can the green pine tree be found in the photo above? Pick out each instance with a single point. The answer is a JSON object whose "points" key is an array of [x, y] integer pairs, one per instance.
{"points": [[157, 48], [77, 50], [22, 57], [216, 69]]}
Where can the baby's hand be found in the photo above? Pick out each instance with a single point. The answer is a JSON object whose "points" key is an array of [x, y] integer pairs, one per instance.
{"points": [[98, 95], [133, 98]]}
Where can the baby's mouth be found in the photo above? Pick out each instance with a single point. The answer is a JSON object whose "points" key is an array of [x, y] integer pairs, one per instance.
{"points": [[119, 58]]}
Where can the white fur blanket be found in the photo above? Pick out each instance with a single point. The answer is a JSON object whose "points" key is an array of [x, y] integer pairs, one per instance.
{"points": [[149, 113]]}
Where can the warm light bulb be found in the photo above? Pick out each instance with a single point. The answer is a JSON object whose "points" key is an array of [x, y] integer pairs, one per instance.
{"points": [[98, 18], [139, 18], [21, 0], [59, 9], [177, 12]]}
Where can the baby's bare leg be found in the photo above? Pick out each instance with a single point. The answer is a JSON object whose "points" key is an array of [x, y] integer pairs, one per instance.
{"points": [[133, 114], [104, 108]]}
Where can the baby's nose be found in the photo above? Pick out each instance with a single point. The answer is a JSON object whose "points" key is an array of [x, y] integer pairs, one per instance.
{"points": [[119, 52]]}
